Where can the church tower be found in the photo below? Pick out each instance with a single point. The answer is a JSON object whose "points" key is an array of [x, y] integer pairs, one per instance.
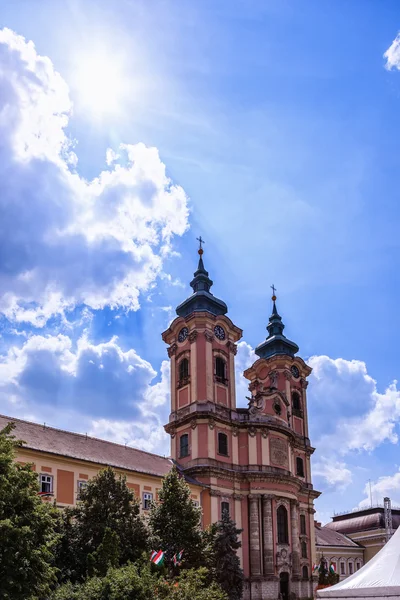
{"points": [[254, 462]]}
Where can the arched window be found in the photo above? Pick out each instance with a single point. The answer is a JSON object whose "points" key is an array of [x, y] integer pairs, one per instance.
{"points": [[220, 369], [305, 572], [358, 566], [299, 467], [303, 550], [225, 508], [350, 568], [183, 371], [342, 568], [303, 530], [223, 444], [184, 445], [296, 405], [282, 522]]}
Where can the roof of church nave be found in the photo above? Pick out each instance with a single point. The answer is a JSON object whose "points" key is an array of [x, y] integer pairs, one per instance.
{"points": [[82, 447]]}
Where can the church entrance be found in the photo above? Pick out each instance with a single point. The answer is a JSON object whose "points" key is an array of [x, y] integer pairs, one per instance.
{"points": [[284, 586]]}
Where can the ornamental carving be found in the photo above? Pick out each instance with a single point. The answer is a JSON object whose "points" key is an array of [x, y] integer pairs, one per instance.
{"points": [[193, 336], [287, 374], [304, 384], [193, 424], [273, 379], [209, 336], [172, 350], [256, 404], [172, 432], [232, 347], [235, 431], [211, 423], [252, 431], [283, 559], [279, 452], [264, 433]]}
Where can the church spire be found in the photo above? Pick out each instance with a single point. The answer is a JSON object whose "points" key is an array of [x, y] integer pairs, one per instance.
{"points": [[276, 342], [201, 299]]}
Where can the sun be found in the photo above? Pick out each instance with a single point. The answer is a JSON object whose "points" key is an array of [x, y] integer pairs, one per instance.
{"points": [[99, 84]]}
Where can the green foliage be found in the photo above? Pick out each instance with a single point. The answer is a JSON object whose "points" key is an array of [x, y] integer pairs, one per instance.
{"points": [[222, 559], [104, 529], [124, 583], [175, 522], [325, 576], [27, 528], [133, 583]]}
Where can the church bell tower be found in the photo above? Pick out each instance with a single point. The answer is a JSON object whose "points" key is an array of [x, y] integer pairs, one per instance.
{"points": [[254, 462]]}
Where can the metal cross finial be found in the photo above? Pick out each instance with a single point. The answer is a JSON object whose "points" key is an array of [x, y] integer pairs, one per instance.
{"points": [[201, 241], [273, 288]]}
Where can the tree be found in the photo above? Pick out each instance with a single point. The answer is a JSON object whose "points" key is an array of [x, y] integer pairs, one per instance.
{"points": [[223, 561], [326, 577], [133, 582], [175, 522], [104, 530], [27, 528]]}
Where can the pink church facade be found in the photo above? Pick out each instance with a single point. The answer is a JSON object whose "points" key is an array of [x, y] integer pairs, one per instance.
{"points": [[255, 461]]}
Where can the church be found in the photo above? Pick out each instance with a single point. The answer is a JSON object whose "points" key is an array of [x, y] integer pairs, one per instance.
{"points": [[255, 461], [252, 462]]}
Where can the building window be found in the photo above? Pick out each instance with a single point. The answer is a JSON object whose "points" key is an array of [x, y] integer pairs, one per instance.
{"points": [[305, 572], [296, 404], [342, 568], [224, 508], [299, 467], [282, 522], [223, 444], [358, 566], [81, 486], [147, 500], [184, 445], [303, 530], [303, 550], [351, 568], [220, 369], [46, 484], [184, 371]]}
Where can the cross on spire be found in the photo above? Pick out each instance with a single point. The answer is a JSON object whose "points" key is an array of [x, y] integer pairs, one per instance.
{"points": [[273, 288], [201, 241]]}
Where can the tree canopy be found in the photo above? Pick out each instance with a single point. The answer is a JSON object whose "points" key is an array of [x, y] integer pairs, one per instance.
{"points": [[27, 528], [104, 530]]}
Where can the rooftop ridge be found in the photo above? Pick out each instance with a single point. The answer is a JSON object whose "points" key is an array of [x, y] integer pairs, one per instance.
{"points": [[82, 435]]}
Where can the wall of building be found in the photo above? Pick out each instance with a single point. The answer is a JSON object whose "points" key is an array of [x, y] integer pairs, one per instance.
{"points": [[67, 474]]}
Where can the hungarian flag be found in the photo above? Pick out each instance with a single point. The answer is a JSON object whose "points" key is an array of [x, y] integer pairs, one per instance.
{"points": [[178, 559], [332, 568], [157, 557], [315, 568]]}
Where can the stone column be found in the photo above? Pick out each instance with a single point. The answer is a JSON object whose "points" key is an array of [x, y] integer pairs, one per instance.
{"points": [[295, 538], [269, 568], [254, 541]]}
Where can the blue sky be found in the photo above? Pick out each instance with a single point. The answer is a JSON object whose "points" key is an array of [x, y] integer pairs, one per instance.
{"points": [[269, 127]]}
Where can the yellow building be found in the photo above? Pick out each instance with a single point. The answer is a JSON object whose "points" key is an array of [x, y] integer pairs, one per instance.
{"points": [[346, 555], [65, 461]]}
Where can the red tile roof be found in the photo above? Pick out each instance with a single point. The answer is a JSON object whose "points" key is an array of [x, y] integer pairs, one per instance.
{"points": [[82, 447]]}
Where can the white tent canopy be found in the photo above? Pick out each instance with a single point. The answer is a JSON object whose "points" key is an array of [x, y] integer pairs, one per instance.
{"points": [[379, 578]]}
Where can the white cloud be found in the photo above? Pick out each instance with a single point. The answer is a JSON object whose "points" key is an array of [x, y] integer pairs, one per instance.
{"points": [[95, 388], [65, 241], [348, 415], [388, 485], [244, 359], [334, 472], [348, 411], [392, 54]]}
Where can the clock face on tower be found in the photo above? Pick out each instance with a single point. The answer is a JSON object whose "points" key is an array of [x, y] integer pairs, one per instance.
{"points": [[183, 334], [295, 371], [219, 332]]}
